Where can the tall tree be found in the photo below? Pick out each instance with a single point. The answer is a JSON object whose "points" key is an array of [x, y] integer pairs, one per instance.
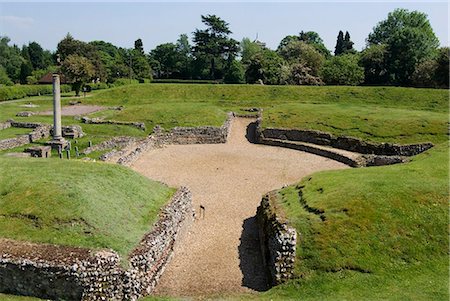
{"points": [[214, 44], [36, 56], [410, 40], [78, 70], [139, 46], [348, 44], [339, 49], [10, 59]]}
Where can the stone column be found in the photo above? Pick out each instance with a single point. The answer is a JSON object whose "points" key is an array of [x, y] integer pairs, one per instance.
{"points": [[57, 136]]}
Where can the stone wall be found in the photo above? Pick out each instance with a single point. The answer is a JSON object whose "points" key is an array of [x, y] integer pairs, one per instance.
{"points": [[14, 142], [278, 240], [178, 135], [60, 272], [39, 132], [347, 143], [5, 125], [139, 125], [113, 143], [196, 135]]}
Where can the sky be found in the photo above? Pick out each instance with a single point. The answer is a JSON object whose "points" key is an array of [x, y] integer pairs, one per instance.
{"points": [[121, 23]]}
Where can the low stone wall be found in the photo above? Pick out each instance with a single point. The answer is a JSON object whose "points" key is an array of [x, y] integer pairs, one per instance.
{"points": [[115, 142], [139, 125], [178, 135], [347, 143], [5, 125], [196, 135], [14, 142], [68, 273], [278, 240], [39, 132]]}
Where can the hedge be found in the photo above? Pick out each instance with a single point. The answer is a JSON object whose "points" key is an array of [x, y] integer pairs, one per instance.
{"points": [[186, 81], [21, 91]]}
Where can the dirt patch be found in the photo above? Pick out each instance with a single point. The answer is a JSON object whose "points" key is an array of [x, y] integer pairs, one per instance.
{"points": [[75, 110], [220, 253]]}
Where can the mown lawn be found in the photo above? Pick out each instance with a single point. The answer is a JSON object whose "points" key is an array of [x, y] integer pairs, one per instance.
{"points": [[385, 234], [76, 203]]}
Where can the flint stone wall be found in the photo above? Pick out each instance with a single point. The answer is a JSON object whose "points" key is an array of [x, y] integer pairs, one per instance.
{"points": [[5, 125], [58, 272], [196, 135], [39, 132], [347, 143], [278, 241], [178, 135], [139, 125]]}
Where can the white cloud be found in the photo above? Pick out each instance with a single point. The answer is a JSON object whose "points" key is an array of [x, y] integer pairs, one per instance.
{"points": [[20, 22]]}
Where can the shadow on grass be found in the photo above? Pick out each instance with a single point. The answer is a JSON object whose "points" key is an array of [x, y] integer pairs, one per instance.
{"points": [[251, 263]]}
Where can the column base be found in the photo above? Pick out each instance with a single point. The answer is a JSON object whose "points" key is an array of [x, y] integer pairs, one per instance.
{"points": [[58, 143]]}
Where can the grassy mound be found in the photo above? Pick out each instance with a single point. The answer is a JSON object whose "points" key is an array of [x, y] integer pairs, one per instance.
{"points": [[384, 234], [77, 203]]}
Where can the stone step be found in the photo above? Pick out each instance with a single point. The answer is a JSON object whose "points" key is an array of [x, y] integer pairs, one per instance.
{"points": [[350, 158]]}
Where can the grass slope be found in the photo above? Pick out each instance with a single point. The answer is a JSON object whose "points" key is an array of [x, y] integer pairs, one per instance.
{"points": [[77, 203], [414, 115], [385, 234]]}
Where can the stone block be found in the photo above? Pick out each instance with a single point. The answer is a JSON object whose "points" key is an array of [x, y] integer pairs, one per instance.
{"points": [[39, 151]]}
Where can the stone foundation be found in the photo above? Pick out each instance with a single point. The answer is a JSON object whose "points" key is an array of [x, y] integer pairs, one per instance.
{"points": [[179, 135], [347, 143], [278, 240], [139, 125], [59, 272]]}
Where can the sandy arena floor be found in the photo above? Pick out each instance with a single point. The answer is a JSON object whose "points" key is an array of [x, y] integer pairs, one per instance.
{"points": [[220, 254]]}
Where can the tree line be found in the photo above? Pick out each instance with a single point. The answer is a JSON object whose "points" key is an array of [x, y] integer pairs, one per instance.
{"points": [[401, 50]]}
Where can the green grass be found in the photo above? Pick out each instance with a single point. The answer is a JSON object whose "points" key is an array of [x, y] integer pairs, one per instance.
{"points": [[94, 205], [4, 297], [414, 115], [13, 132], [385, 235]]}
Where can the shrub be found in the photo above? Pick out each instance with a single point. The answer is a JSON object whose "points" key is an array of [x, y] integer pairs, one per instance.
{"points": [[124, 81], [343, 70], [19, 91]]}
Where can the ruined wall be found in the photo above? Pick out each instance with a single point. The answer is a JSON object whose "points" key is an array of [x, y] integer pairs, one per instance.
{"points": [[178, 135], [278, 240], [347, 143], [196, 135], [139, 125], [69, 273], [5, 125]]}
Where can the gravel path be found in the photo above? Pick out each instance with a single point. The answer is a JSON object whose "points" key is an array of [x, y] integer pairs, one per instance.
{"points": [[220, 254], [75, 110]]}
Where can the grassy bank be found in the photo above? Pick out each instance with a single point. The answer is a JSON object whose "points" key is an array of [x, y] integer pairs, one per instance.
{"points": [[385, 234], [77, 203]]}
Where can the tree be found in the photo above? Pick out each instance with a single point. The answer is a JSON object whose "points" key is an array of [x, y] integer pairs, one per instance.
{"points": [[442, 70], [265, 66], [310, 37], [409, 40], [301, 52], [373, 60], [166, 56], [343, 70], [185, 56], [139, 46], [70, 46], [36, 54], [235, 73], [78, 70], [249, 49], [425, 74], [10, 59], [214, 44], [339, 49], [4, 79], [348, 44], [25, 70]]}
